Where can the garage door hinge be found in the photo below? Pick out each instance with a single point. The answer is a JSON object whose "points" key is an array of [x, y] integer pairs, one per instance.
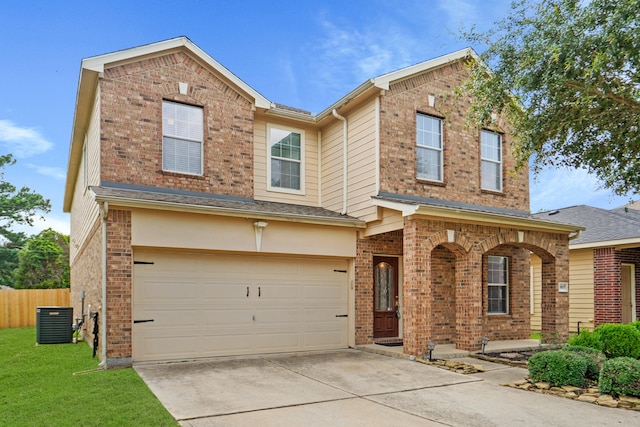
{"points": [[342, 315], [339, 271], [143, 262]]}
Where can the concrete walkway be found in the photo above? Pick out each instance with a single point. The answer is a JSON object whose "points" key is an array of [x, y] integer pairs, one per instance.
{"points": [[357, 388]]}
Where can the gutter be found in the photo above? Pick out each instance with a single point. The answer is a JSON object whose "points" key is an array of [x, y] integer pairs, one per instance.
{"points": [[345, 160], [103, 309]]}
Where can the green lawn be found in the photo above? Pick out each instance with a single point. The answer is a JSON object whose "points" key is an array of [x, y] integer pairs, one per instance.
{"points": [[43, 386]]}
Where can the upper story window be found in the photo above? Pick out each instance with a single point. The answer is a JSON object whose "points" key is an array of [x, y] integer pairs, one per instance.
{"points": [[498, 289], [182, 133], [285, 165], [491, 154], [428, 148]]}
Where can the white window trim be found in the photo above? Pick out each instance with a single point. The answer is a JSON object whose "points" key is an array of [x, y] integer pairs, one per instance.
{"points": [[482, 159], [185, 139], [439, 150], [505, 285], [301, 132]]}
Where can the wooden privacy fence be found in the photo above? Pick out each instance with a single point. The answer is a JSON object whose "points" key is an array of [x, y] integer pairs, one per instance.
{"points": [[18, 307]]}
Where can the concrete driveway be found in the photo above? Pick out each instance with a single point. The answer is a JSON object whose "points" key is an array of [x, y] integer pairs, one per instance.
{"points": [[356, 388]]}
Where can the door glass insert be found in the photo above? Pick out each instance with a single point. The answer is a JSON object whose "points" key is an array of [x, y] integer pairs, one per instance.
{"points": [[384, 292]]}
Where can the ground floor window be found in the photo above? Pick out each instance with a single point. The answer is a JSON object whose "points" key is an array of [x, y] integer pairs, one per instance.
{"points": [[498, 289]]}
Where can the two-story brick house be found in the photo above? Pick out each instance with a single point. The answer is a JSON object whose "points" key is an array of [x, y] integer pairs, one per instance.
{"points": [[207, 220]]}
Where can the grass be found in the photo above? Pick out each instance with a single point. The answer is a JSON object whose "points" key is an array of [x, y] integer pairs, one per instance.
{"points": [[42, 386]]}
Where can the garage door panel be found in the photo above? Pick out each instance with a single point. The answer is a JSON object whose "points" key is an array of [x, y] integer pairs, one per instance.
{"points": [[201, 308]]}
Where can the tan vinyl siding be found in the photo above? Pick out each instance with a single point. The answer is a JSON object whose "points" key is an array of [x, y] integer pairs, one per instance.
{"points": [[391, 220], [536, 317], [260, 159], [362, 162], [332, 170], [580, 290], [84, 210]]}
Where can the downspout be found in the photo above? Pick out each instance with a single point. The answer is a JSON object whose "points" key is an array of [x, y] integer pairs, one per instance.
{"points": [[575, 236], [103, 309], [344, 160]]}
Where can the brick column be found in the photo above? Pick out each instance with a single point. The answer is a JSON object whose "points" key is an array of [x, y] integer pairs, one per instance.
{"points": [[555, 305], [469, 301], [119, 288], [607, 292], [416, 290]]}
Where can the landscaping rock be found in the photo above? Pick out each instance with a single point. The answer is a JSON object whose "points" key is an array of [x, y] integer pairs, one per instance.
{"points": [[585, 398], [542, 386]]}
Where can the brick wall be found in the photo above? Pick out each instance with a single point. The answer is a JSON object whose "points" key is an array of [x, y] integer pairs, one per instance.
{"points": [[398, 110], [119, 287], [383, 244], [443, 311], [444, 287], [607, 292], [86, 275], [516, 323], [131, 126]]}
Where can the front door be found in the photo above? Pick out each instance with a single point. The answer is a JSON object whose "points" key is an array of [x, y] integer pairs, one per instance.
{"points": [[628, 306], [385, 297]]}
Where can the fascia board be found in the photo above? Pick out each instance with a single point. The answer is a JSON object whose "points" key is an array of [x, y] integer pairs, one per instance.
{"points": [[386, 79], [211, 210], [97, 63], [465, 215], [85, 96], [619, 243]]}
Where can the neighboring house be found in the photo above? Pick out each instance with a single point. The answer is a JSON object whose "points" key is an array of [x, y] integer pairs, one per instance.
{"points": [[207, 220], [604, 266]]}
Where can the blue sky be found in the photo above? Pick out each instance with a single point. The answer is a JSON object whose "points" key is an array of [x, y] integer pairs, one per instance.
{"points": [[305, 54]]}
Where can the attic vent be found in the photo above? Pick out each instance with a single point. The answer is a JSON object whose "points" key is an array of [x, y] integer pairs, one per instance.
{"points": [[553, 213]]}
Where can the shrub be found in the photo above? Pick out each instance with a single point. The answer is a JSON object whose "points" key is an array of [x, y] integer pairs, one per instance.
{"points": [[619, 340], [558, 368], [586, 338], [620, 376], [594, 358], [636, 324]]}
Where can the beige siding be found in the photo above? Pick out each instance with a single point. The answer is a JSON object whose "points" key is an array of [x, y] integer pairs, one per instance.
{"points": [[84, 210], [536, 317], [390, 221], [261, 191], [332, 170], [362, 162], [580, 290], [165, 229]]}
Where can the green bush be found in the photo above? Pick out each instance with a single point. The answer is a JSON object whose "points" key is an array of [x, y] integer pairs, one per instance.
{"points": [[594, 358], [620, 376], [558, 368], [619, 340], [636, 324], [586, 338]]}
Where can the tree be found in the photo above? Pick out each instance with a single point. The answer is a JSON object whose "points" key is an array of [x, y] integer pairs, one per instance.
{"points": [[43, 262], [9, 258], [17, 206], [565, 73]]}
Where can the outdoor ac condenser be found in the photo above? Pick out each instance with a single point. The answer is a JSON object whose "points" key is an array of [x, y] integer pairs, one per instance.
{"points": [[54, 325]]}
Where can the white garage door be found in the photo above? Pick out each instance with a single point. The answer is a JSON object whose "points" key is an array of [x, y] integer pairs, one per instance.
{"points": [[194, 305]]}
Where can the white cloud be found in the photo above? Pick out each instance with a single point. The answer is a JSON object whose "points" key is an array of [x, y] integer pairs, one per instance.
{"points": [[460, 12], [359, 54], [58, 222], [51, 171], [23, 142]]}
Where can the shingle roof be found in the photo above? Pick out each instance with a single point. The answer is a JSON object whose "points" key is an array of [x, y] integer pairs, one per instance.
{"points": [[217, 202], [416, 200], [601, 225], [452, 209]]}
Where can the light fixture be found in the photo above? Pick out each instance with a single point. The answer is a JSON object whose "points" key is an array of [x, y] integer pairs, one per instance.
{"points": [[430, 347], [485, 340]]}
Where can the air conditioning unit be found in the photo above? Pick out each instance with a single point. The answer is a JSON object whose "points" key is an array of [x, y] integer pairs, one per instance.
{"points": [[54, 325]]}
